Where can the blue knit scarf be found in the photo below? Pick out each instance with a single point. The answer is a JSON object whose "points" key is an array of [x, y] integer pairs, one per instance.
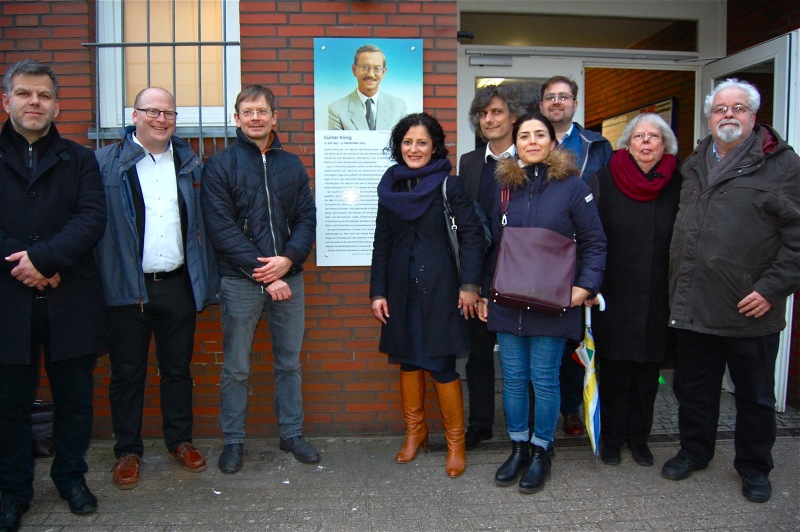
{"points": [[412, 204]]}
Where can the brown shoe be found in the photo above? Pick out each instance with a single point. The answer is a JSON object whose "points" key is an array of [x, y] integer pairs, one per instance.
{"points": [[126, 472], [189, 457], [573, 426]]}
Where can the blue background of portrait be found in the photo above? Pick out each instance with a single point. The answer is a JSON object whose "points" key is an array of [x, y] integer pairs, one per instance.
{"points": [[333, 77]]}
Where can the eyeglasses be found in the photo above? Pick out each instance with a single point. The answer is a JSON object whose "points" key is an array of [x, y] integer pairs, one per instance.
{"points": [[377, 70], [561, 97], [638, 137], [737, 109], [250, 113], [154, 113]]}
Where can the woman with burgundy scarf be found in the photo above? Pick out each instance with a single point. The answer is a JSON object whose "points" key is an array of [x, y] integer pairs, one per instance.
{"points": [[415, 289], [637, 198]]}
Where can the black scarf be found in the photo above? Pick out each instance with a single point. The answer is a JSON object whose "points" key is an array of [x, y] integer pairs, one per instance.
{"points": [[411, 204]]}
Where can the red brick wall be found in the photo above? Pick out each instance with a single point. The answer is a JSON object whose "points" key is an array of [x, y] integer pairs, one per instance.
{"points": [[752, 22], [53, 32], [348, 386]]}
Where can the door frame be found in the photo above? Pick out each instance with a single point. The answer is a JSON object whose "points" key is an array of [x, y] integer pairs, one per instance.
{"points": [[783, 50]]}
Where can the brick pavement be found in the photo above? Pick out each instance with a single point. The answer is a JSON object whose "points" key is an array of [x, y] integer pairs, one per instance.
{"points": [[358, 487]]}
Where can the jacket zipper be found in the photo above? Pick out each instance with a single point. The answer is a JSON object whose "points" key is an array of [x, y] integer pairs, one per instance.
{"points": [[269, 203]]}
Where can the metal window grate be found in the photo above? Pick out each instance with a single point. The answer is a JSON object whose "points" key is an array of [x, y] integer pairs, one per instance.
{"points": [[207, 127]]}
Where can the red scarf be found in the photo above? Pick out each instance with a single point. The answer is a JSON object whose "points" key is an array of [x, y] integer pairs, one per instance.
{"points": [[630, 179]]}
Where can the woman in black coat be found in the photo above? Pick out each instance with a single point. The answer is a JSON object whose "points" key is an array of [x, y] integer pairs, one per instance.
{"points": [[637, 197], [414, 286]]}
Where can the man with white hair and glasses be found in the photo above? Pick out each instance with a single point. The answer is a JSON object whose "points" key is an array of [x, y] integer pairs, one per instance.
{"points": [[734, 259]]}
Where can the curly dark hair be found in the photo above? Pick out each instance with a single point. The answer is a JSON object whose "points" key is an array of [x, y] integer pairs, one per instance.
{"points": [[417, 119]]}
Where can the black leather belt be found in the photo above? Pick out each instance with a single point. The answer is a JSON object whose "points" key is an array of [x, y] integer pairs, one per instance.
{"points": [[162, 276]]}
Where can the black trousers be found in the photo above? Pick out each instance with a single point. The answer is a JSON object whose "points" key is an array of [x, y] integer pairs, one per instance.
{"points": [[699, 366], [71, 384], [170, 317], [627, 397], [480, 375], [570, 378]]}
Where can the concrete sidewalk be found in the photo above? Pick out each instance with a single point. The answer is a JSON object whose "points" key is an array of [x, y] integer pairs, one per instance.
{"points": [[358, 487]]}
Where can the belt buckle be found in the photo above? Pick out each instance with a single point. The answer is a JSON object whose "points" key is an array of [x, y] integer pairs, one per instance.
{"points": [[156, 278]]}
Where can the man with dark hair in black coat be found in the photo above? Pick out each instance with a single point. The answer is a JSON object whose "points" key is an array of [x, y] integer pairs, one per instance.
{"points": [[52, 213]]}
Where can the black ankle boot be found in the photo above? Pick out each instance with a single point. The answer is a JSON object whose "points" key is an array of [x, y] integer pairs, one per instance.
{"points": [[511, 468], [538, 472]]}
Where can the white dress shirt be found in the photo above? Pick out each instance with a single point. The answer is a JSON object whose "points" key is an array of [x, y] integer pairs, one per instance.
{"points": [[163, 241]]}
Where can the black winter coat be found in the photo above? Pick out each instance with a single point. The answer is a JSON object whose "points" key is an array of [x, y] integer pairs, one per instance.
{"points": [[445, 330], [58, 214], [634, 326]]}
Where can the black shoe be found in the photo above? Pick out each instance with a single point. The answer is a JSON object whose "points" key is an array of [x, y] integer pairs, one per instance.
{"points": [[230, 460], [474, 436], [80, 499], [756, 487], [301, 449], [11, 514], [679, 467], [520, 457], [610, 455], [641, 454], [538, 472]]}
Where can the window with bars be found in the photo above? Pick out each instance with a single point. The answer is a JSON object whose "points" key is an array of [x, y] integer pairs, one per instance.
{"points": [[189, 47]]}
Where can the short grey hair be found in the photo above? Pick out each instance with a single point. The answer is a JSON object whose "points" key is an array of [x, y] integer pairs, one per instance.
{"points": [[368, 48], [753, 96], [667, 136], [29, 67]]}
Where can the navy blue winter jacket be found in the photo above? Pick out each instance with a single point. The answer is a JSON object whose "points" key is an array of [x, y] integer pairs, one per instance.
{"points": [[257, 205], [557, 200]]}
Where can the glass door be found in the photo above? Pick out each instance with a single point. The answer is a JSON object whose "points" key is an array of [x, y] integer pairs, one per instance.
{"points": [[524, 72]]}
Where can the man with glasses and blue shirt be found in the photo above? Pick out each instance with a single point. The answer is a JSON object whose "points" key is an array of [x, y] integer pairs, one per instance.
{"points": [[734, 259], [261, 218], [592, 152], [365, 108], [155, 264]]}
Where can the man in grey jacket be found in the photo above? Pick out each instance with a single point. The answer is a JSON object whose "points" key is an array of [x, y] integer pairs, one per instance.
{"points": [[154, 260], [734, 259]]}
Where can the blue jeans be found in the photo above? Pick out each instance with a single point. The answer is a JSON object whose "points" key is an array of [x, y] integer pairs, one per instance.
{"points": [[241, 303], [534, 359]]}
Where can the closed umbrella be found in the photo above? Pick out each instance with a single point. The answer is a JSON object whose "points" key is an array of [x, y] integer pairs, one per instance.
{"points": [[591, 395]]}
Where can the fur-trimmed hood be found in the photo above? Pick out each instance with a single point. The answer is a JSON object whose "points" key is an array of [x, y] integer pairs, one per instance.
{"points": [[559, 165]]}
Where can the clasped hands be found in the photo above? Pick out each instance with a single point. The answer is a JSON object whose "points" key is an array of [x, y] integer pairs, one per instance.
{"points": [[26, 273], [271, 273]]}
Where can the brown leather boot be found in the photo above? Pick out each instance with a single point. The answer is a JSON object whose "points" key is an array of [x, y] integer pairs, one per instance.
{"points": [[452, 406], [412, 390]]}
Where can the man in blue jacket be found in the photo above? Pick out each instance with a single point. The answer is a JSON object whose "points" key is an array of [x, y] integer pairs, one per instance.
{"points": [[261, 218], [592, 152], [52, 213], [154, 260]]}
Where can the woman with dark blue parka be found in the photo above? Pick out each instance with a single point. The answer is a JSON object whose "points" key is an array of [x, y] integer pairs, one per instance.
{"points": [[544, 191]]}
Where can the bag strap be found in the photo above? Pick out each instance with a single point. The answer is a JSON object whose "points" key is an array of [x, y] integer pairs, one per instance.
{"points": [[505, 198], [453, 226]]}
